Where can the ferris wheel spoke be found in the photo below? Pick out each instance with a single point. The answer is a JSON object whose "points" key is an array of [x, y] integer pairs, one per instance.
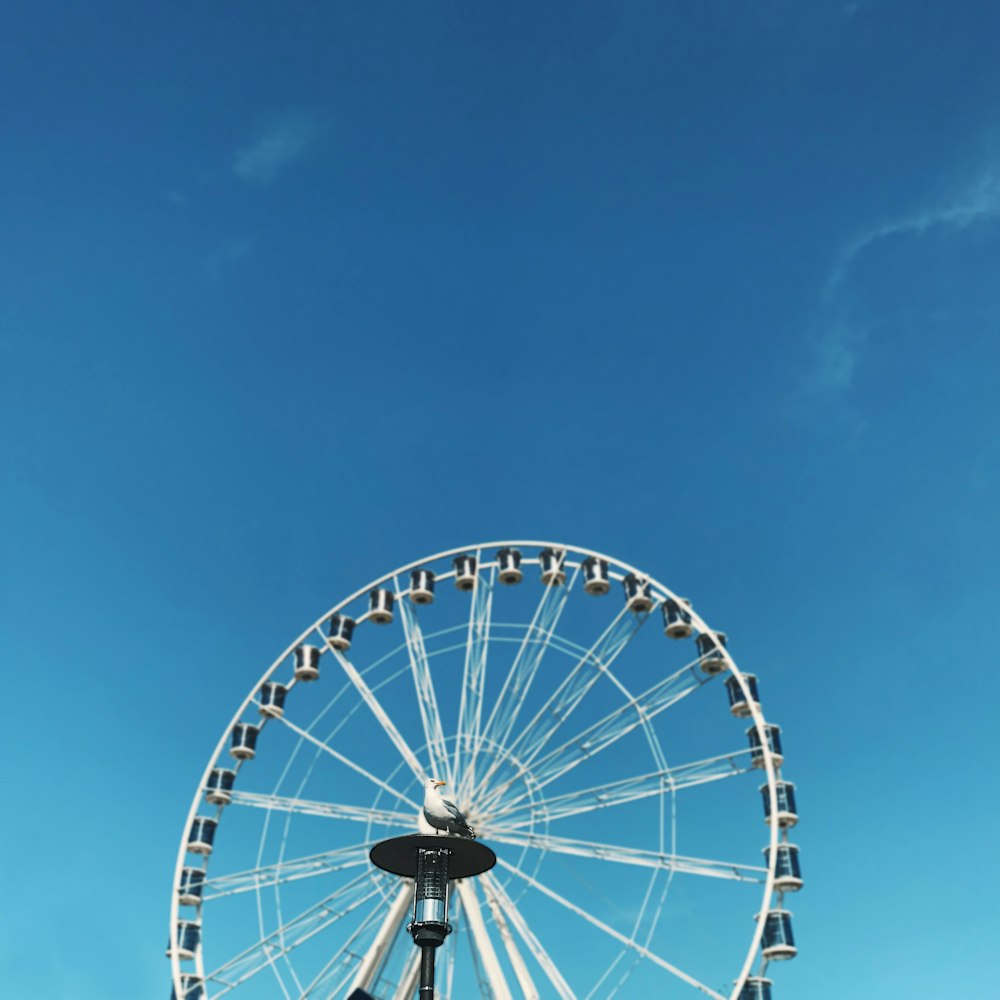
{"points": [[615, 793], [334, 810], [291, 870], [610, 931], [346, 761], [484, 946], [295, 932], [571, 692], [376, 708], [632, 856], [373, 961], [607, 731], [408, 981], [529, 657], [470, 710], [334, 967], [524, 980], [424, 686], [528, 936]]}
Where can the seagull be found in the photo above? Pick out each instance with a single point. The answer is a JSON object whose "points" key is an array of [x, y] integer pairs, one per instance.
{"points": [[442, 814]]}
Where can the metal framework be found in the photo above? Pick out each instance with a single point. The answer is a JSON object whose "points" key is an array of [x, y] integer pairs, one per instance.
{"points": [[572, 733]]}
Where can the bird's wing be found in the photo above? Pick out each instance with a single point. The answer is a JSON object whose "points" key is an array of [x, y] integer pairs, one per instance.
{"points": [[453, 809]]}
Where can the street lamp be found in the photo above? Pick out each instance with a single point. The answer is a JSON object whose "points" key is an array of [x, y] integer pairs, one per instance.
{"points": [[431, 861]]}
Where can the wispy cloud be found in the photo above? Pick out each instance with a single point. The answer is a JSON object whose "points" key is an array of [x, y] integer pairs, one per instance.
{"points": [[974, 202], [837, 343], [276, 147], [835, 354]]}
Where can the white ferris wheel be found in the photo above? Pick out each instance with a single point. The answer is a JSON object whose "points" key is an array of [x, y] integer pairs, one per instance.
{"points": [[641, 831]]}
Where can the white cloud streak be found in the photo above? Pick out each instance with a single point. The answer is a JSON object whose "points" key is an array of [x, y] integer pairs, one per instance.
{"points": [[976, 202], [837, 346], [275, 148], [835, 356]]}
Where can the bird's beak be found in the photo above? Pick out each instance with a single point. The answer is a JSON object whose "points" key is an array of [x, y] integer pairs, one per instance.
{"points": [[438, 783]]}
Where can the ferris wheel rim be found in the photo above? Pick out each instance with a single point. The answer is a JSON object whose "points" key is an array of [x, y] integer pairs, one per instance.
{"points": [[755, 712]]}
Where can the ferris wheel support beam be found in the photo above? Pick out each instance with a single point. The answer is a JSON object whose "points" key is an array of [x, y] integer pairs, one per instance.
{"points": [[528, 988], [624, 790], [610, 931], [470, 712], [633, 856], [293, 933], [371, 964], [607, 731], [335, 810], [285, 871], [532, 943], [347, 762], [572, 689], [529, 657], [424, 687], [408, 981], [320, 986], [487, 953], [561, 703], [638, 710], [381, 716], [642, 707]]}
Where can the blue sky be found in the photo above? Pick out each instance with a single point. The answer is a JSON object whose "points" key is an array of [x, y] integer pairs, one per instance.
{"points": [[293, 296]]}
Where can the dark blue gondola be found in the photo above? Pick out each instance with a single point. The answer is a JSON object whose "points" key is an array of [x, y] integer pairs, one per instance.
{"points": [[465, 572], [341, 632], [638, 594], [307, 663], [219, 787], [509, 566], [756, 988], [778, 942], [785, 794], [191, 989], [243, 744], [187, 936], [773, 734], [677, 618], [710, 646], [787, 872], [596, 576], [738, 703], [422, 586], [380, 603], [191, 885], [272, 700], [201, 836], [551, 561]]}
